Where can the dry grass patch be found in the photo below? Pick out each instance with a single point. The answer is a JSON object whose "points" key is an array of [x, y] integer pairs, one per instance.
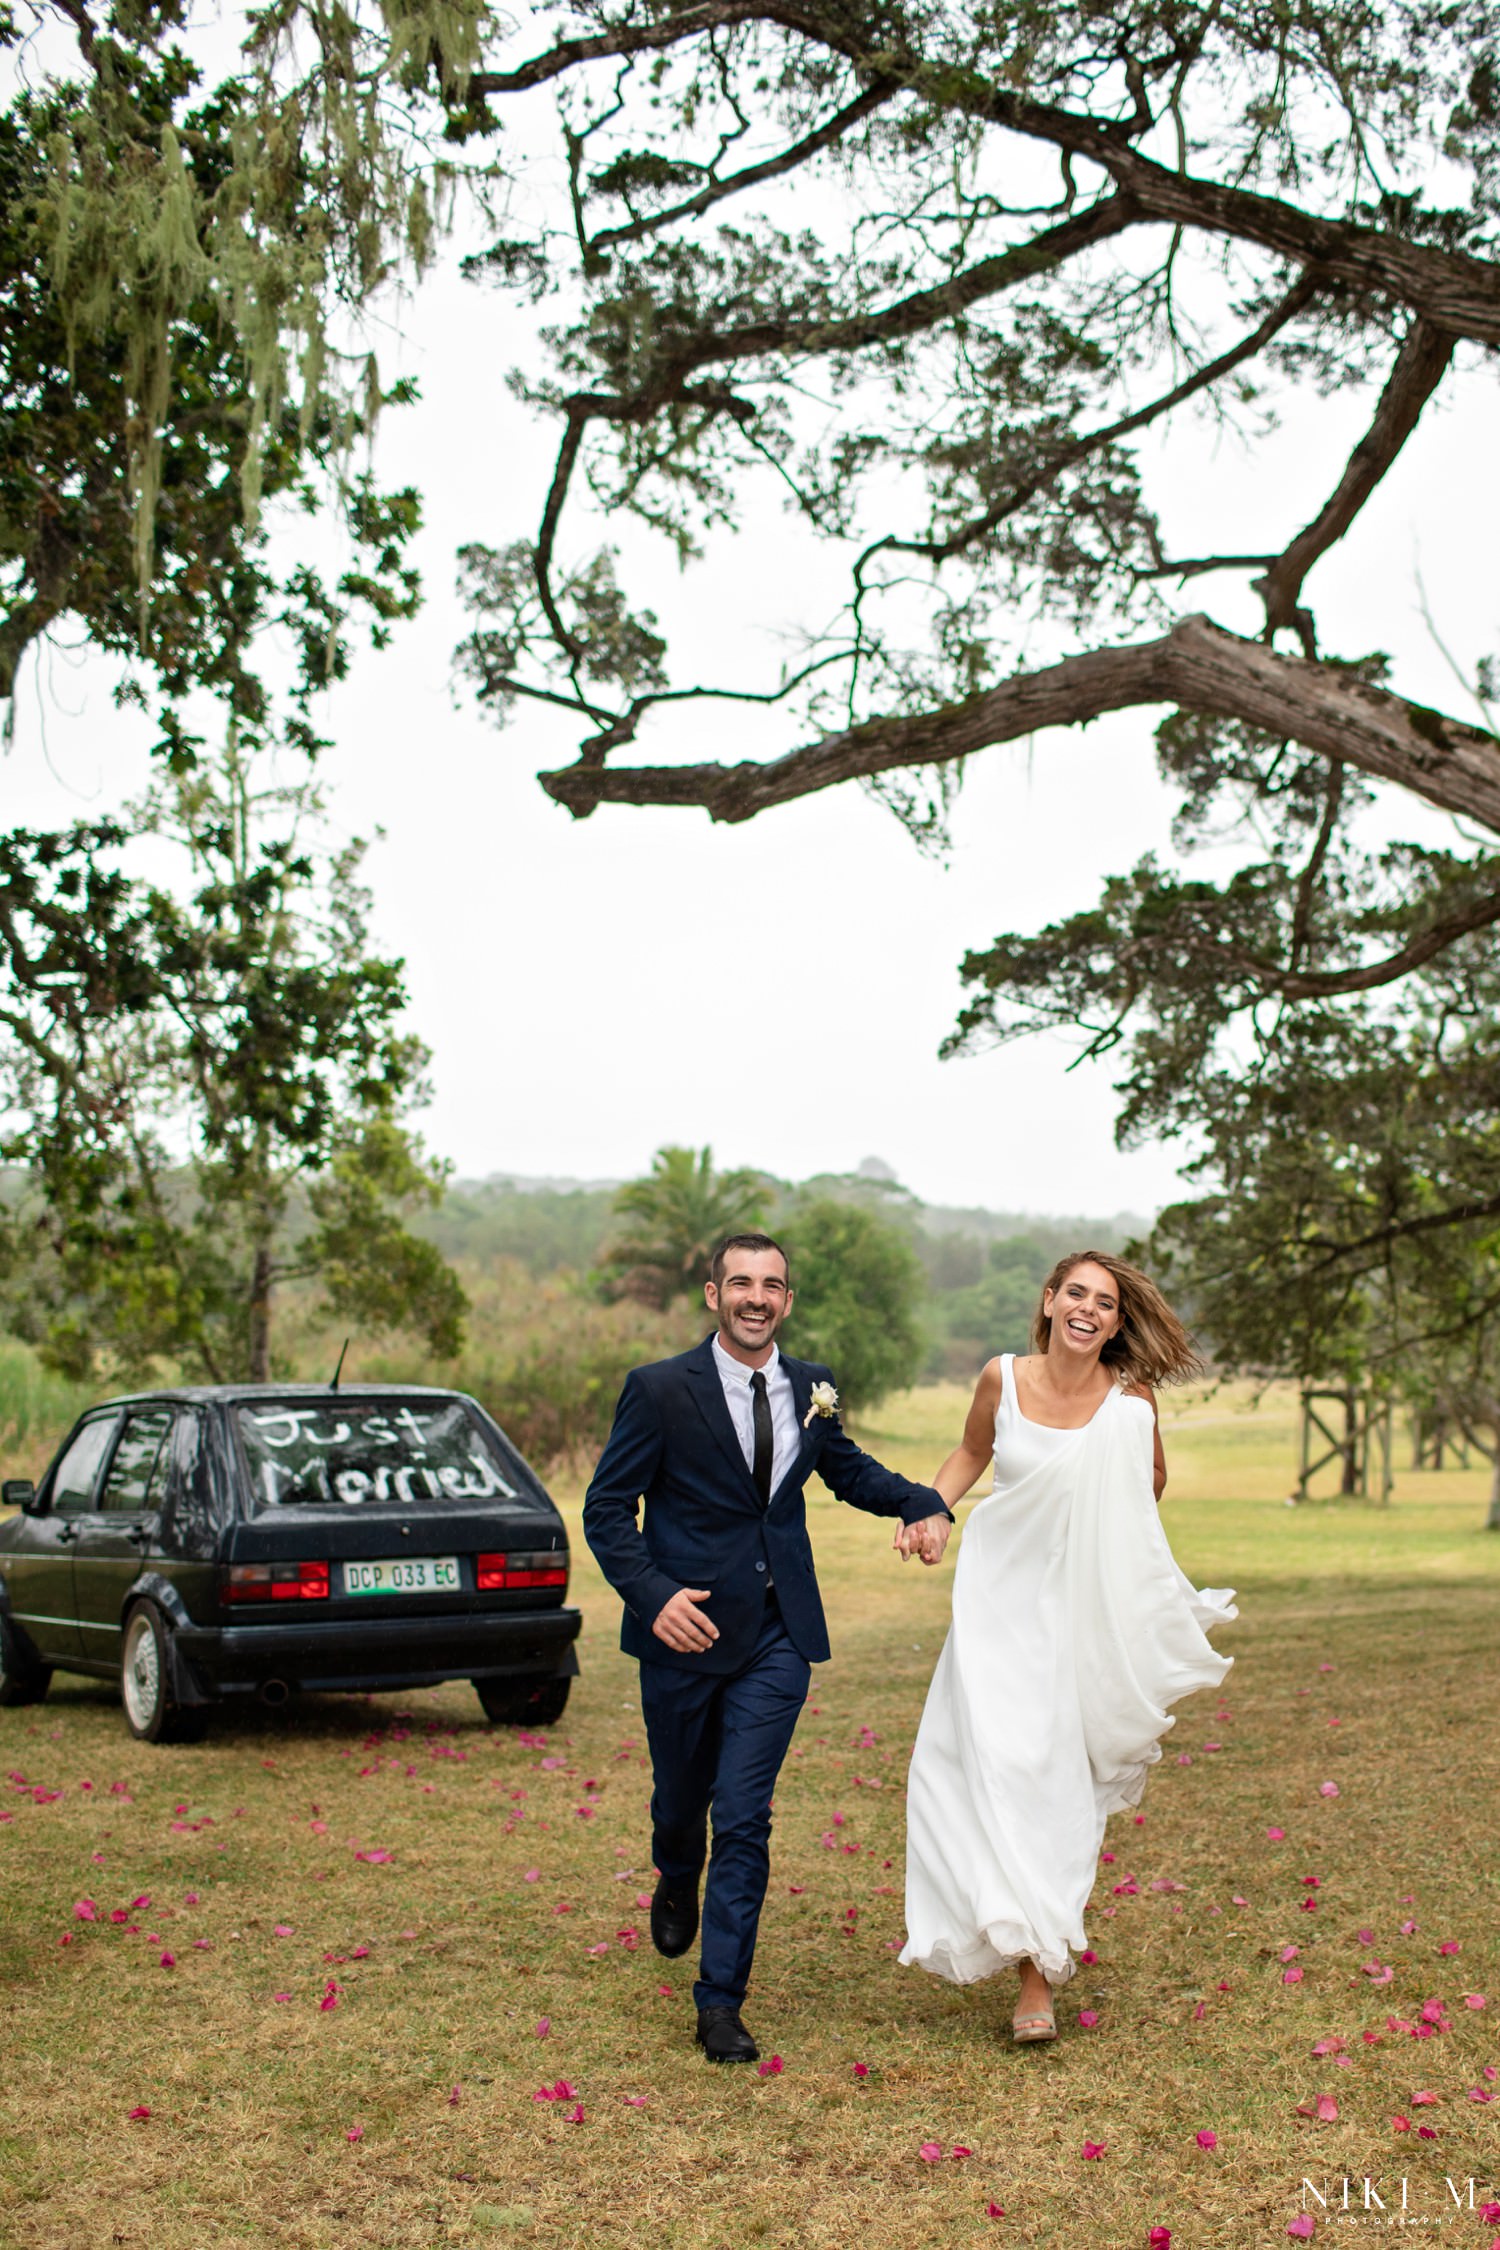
{"points": [[445, 1958]]}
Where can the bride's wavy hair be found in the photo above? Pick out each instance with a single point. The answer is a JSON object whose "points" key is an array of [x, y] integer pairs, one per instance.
{"points": [[1150, 1346]]}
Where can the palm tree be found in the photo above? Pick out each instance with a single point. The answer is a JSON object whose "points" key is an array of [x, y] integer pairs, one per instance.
{"points": [[672, 1220]]}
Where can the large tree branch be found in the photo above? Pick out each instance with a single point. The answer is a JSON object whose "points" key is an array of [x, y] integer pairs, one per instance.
{"points": [[1196, 666], [774, 167], [911, 315], [1420, 366], [1453, 291]]}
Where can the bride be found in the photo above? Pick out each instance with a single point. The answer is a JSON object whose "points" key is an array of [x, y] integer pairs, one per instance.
{"points": [[1073, 1630]]}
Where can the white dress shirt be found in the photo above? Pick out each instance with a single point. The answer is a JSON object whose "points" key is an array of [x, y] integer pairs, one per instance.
{"points": [[786, 1438]]}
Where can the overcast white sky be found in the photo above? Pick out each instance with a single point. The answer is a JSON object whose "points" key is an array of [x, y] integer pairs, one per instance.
{"points": [[592, 990]]}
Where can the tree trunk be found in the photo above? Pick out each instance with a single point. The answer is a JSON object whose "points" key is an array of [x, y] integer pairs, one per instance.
{"points": [[1349, 1481], [1492, 1520], [260, 1316]]}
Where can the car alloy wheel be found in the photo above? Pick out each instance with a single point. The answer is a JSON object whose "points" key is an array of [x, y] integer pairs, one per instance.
{"points": [[145, 1674]]}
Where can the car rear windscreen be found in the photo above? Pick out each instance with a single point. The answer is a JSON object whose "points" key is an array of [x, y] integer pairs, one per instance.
{"points": [[316, 1455]]}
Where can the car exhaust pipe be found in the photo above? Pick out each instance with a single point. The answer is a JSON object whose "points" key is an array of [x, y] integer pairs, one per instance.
{"points": [[273, 1693]]}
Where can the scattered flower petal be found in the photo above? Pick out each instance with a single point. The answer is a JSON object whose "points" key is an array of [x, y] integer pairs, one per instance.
{"points": [[861, 2070], [1087, 2018], [1094, 2149], [773, 2068], [355, 2133], [139, 2113], [1302, 2226], [1207, 2138], [1327, 1789], [930, 2151]]}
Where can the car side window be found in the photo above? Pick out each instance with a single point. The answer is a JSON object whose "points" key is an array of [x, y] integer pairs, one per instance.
{"points": [[137, 1479], [77, 1472]]}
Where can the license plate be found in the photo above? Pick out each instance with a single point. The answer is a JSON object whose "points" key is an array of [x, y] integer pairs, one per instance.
{"points": [[403, 1574]]}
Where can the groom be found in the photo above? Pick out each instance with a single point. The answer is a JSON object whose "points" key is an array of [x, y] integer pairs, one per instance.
{"points": [[721, 1599]]}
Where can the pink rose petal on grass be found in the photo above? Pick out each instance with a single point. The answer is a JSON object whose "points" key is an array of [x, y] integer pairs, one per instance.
{"points": [[1207, 2138], [861, 2070], [1160, 2238], [1426, 2133], [355, 2133], [1275, 1835], [1301, 2227], [85, 1909], [1475, 2000], [139, 2113], [1400, 2124], [1449, 1945], [773, 2068], [1327, 1789], [1087, 2018], [169, 1960], [931, 2152], [573, 2116], [1425, 2100], [1489, 2212], [1092, 2150], [994, 2210], [1291, 1976], [634, 2101], [960, 2152]]}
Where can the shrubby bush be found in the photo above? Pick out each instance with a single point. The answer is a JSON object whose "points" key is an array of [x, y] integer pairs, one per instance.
{"points": [[546, 1358]]}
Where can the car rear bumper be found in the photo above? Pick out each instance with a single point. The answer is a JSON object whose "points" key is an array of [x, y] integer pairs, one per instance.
{"points": [[367, 1652]]}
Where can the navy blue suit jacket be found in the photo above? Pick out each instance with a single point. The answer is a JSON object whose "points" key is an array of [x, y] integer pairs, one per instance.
{"points": [[673, 1444]]}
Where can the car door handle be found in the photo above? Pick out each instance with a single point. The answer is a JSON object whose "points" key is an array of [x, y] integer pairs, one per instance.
{"points": [[137, 1534], [66, 1534]]}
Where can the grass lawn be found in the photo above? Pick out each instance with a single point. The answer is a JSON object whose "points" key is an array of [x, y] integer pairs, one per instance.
{"points": [[358, 1940]]}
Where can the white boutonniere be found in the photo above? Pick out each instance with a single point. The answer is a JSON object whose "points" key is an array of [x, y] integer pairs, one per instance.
{"points": [[825, 1401]]}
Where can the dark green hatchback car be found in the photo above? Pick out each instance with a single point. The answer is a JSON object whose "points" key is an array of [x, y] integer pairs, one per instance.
{"points": [[220, 1541]]}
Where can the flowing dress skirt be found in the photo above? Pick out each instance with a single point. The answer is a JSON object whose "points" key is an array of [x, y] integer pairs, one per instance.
{"points": [[1073, 1631]]}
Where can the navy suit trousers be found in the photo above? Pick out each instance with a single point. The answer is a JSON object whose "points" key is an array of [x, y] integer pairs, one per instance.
{"points": [[717, 1744]]}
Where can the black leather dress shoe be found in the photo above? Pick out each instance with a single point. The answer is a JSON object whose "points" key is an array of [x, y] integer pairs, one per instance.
{"points": [[674, 1919], [724, 2038]]}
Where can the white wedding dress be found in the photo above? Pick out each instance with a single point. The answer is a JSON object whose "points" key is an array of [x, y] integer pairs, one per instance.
{"points": [[1073, 1630]]}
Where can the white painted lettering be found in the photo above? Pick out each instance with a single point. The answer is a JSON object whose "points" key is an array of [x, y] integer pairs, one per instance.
{"points": [[1308, 2189]]}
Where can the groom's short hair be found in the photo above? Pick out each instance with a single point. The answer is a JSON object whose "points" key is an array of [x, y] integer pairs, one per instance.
{"points": [[745, 1242]]}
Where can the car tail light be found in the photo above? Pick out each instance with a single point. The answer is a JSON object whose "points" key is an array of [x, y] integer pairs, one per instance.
{"points": [[494, 1574], [274, 1582]]}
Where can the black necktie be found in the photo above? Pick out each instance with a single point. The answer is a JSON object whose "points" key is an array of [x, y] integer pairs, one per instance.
{"points": [[760, 1420]]}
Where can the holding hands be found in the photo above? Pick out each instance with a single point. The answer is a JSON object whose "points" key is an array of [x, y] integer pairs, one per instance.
{"points": [[927, 1539]]}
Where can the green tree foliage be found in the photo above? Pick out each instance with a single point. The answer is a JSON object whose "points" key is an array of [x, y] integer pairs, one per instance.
{"points": [[485, 1222], [205, 1082], [544, 1355], [1320, 1030], [670, 1222], [185, 253], [857, 1286]]}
